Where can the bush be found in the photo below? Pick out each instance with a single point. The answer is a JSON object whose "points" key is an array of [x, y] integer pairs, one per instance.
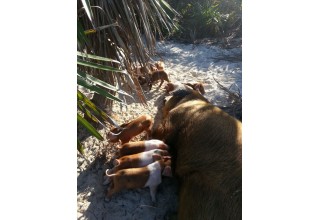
{"points": [[208, 18]]}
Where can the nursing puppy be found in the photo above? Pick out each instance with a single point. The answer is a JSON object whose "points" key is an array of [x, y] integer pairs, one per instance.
{"points": [[131, 129], [141, 146], [134, 178], [136, 160], [206, 148]]}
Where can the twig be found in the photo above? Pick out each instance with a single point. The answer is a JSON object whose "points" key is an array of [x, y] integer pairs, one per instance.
{"points": [[236, 96], [236, 100]]}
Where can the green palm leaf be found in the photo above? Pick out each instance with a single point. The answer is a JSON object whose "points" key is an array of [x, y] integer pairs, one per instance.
{"points": [[97, 111], [96, 57], [99, 66], [80, 147], [102, 83], [81, 81], [89, 127], [87, 8]]}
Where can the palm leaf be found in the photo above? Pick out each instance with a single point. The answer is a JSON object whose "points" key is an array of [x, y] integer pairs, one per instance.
{"points": [[98, 66], [80, 147], [118, 27], [81, 81], [102, 83], [87, 7], [89, 127], [97, 111], [91, 31], [96, 57], [82, 39]]}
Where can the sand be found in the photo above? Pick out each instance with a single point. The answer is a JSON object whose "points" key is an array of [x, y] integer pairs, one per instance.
{"points": [[204, 63]]}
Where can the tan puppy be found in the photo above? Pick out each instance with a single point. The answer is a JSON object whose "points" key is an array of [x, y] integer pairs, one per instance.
{"points": [[156, 76], [136, 160], [131, 129], [141, 146], [153, 78], [133, 178]]}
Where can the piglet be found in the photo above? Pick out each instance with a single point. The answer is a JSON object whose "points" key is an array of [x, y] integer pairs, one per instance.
{"points": [[131, 129], [133, 178], [136, 160], [141, 146]]}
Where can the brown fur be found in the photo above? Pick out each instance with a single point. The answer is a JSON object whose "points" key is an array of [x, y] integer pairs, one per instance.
{"points": [[134, 161], [197, 86], [136, 147], [133, 178], [177, 85], [130, 129], [153, 78], [160, 65], [153, 67], [206, 156], [158, 75], [169, 87], [142, 70], [173, 86]]}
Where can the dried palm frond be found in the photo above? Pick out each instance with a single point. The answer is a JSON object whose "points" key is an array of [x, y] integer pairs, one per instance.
{"points": [[234, 100], [125, 31]]}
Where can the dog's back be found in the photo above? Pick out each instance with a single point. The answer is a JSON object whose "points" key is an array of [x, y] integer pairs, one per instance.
{"points": [[207, 156]]}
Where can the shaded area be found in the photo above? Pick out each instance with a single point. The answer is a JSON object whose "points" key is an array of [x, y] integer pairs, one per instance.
{"points": [[127, 204]]}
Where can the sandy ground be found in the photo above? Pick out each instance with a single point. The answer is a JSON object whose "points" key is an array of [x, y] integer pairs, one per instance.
{"points": [[183, 62]]}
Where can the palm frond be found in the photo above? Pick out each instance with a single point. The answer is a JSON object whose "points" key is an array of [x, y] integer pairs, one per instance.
{"points": [[114, 37]]}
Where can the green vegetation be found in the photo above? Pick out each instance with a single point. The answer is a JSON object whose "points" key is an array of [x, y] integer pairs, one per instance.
{"points": [[208, 18], [112, 38]]}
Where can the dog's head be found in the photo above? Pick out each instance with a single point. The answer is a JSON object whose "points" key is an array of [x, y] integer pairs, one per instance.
{"points": [[180, 95]]}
